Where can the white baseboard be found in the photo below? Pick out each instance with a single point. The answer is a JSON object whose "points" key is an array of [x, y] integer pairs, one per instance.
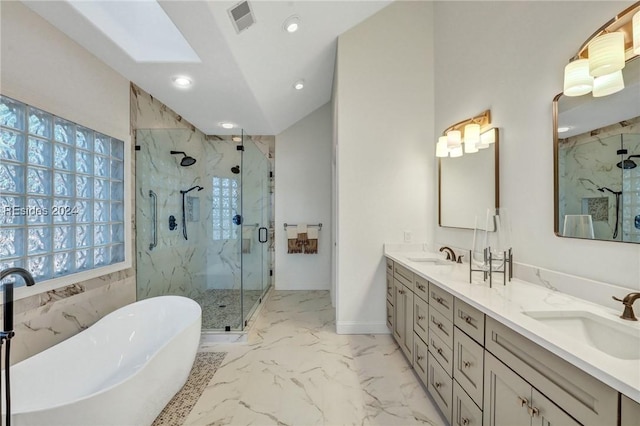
{"points": [[355, 327]]}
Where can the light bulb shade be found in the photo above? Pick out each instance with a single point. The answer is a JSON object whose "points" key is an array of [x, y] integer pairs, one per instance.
{"points": [[456, 151], [441, 147], [636, 33], [487, 138], [608, 84], [577, 80], [469, 147], [454, 138], [471, 134], [606, 54]]}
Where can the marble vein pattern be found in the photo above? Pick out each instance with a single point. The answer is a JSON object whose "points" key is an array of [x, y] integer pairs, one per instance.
{"points": [[295, 370], [589, 161]]}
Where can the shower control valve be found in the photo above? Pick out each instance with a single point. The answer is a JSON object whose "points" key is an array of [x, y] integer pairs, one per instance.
{"points": [[172, 223]]}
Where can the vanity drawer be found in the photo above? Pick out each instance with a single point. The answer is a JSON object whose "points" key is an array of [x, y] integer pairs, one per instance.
{"points": [[440, 387], [441, 327], [421, 318], [421, 288], [470, 320], [468, 365], [403, 275], [390, 291], [420, 358], [389, 266], [389, 315], [441, 300], [442, 353], [465, 411]]}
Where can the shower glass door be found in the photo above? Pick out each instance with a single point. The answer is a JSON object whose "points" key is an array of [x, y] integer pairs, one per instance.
{"points": [[256, 207]]}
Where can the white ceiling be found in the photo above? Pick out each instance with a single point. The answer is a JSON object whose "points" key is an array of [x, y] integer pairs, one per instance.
{"points": [[244, 78]]}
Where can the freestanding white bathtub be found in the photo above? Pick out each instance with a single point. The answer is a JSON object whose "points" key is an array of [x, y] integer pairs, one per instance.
{"points": [[121, 371]]}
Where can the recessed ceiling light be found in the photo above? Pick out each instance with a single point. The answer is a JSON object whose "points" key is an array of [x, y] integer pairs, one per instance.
{"points": [[236, 139], [182, 81], [563, 129], [299, 85], [227, 125], [292, 24]]}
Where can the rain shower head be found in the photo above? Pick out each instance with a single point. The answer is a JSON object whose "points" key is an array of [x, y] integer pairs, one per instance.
{"points": [[235, 170], [628, 163], [186, 160], [198, 187]]}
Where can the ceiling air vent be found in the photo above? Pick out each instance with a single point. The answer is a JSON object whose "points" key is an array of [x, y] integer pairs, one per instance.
{"points": [[241, 16]]}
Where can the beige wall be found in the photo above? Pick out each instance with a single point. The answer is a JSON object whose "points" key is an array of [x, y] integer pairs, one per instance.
{"points": [[44, 68], [383, 108]]}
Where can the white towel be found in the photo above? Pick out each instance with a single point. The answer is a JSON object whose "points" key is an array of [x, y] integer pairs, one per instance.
{"points": [[312, 233], [292, 232], [302, 228]]}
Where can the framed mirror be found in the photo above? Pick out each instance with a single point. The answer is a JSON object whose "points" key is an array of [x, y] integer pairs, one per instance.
{"points": [[597, 163], [468, 185]]}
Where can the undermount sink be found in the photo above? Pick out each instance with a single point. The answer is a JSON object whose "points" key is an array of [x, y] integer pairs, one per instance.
{"points": [[431, 260], [607, 335]]}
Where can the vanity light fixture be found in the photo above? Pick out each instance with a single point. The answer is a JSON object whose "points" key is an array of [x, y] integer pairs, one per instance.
{"points": [[182, 81], [597, 67], [470, 132], [292, 24], [299, 85]]}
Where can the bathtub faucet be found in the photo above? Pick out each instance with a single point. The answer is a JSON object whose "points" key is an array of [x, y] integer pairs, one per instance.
{"points": [[8, 297]]}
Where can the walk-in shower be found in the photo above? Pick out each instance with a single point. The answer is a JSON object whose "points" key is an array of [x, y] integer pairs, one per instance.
{"points": [[219, 262]]}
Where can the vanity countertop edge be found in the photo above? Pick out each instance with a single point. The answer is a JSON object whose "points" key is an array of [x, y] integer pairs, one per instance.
{"points": [[506, 304]]}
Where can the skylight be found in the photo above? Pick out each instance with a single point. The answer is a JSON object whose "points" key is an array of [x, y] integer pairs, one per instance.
{"points": [[141, 28]]}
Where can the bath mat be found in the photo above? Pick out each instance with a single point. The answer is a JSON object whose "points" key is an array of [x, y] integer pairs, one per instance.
{"points": [[177, 410]]}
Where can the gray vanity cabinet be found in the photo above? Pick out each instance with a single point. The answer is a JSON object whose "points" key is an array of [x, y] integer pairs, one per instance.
{"points": [[511, 401], [630, 412], [403, 318]]}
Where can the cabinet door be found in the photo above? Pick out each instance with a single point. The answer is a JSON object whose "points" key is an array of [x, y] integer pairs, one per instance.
{"points": [[421, 318], [630, 413], [407, 341], [390, 292], [420, 358], [440, 387], [390, 316], [398, 312], [543, 412], [506, 395]]}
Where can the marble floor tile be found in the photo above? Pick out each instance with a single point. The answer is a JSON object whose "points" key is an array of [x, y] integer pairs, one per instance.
{"points": [[295, 370]]}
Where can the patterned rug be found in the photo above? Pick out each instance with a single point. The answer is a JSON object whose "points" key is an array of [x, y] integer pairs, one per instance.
{"points": [[177, 410]]}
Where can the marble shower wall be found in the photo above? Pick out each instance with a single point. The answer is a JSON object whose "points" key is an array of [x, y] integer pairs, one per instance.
{"points": [[587, 162], [175, 265]]}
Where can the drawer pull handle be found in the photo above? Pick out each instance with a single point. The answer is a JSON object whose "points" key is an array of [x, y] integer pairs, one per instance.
{"points": [[420, 287], [465, 421], [419, 357], [523, 401], [468, 319], [438, 299], [401, 291], [466, 364], [439, 350], [437, 385], [420, 317], [388, 316], [533, 411]]}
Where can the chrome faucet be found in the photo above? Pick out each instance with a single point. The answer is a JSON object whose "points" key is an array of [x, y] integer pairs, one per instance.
{"points": [[628, 306], [451, 255]]}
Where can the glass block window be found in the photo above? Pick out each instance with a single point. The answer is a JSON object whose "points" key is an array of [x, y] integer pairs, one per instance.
{"points": [[61, 194], [226, 200]]}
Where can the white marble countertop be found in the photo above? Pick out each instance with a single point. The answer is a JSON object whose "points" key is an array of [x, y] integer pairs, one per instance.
{"points": [[506, 304]]}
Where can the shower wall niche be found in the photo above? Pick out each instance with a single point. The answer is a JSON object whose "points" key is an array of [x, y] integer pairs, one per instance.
{"points": [[221, 256], [589, 167]]}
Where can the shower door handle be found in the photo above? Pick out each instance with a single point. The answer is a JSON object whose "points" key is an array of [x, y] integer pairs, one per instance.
{"points": [[154, 219], [260, 234]]}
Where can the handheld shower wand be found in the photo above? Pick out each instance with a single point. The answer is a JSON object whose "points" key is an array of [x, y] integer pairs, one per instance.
{"points": [[184, 216], [617, 194]]}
